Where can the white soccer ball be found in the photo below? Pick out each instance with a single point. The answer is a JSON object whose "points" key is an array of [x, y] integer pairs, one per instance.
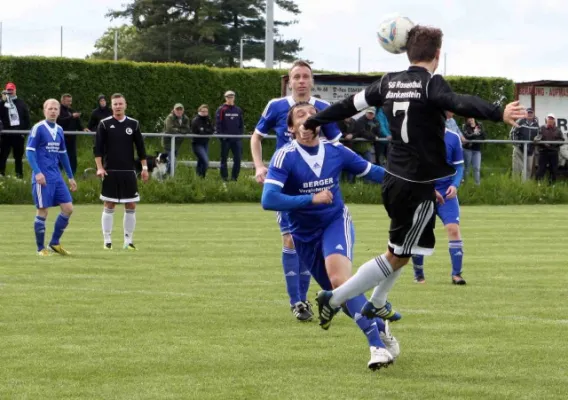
{"points": [[393, 33]]}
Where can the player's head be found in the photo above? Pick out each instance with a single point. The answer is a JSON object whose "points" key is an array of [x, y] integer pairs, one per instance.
{"points": [[66, 99], [51, 110], [298, 114], [300, 78], [118, 105], [423, 45]]}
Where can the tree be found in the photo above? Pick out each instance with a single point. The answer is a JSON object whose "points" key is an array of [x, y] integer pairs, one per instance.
{"points": [[200, 31], [128, 42]]}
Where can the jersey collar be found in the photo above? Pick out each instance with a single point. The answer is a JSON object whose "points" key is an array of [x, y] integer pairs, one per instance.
{"points": [[315, 162]]}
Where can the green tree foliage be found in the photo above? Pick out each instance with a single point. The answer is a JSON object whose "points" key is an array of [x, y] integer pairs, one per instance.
{"points": [[128, 44], [198, 32]]}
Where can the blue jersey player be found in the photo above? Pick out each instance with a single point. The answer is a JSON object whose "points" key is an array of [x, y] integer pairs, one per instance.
{"points": [[303, 180], [45, 151], [449, 210], [274, 118]]}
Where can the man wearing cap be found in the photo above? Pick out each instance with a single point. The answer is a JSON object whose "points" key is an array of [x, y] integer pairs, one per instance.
{"points": [[229, 119], [14, 115], [70, 121], [367, 128], [548, 153], [527, 129], [177, 123], [101, 112]]}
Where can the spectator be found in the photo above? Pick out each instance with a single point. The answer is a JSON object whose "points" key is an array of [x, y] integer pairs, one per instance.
{"points": [[548, 153], [229, 120], [101, 112], [70, 121], [347, 128], [201, 125], [472, 130], [368, 129], [177, 123], [527, 129], [14, 115], [381, 148], [452, 125]]}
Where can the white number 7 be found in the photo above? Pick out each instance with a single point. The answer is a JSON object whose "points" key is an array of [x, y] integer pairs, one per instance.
{"points": [[402, 106]]}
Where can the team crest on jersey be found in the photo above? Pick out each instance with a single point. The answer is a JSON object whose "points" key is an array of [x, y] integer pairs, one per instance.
{"points": [[129, 131]]}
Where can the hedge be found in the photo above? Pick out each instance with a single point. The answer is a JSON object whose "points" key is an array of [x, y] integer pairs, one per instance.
{"points": [[151, 90], [187, 188]]}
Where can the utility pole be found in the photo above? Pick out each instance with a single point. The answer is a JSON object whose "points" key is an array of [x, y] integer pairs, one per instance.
{"points": [[445, 63], [242, 54], [116, 45], [359, 63], [61, 45], [269, 36], [0, 38]]}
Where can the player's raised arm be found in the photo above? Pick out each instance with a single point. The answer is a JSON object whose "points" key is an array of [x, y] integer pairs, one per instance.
{"points": [[350, 106], [440, 93]]}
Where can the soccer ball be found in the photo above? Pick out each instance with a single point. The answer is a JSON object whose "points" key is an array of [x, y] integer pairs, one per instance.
{"points": [[393, 34]]}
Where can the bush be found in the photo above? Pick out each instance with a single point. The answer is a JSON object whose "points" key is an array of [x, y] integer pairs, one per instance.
{"points": [[186, 187]]}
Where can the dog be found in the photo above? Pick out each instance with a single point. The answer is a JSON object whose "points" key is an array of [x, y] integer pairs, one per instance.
{"points": [[157, 166]]}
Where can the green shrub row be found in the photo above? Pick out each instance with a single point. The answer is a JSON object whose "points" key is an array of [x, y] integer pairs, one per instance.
{"points": [[152, 89], [187, 188]]}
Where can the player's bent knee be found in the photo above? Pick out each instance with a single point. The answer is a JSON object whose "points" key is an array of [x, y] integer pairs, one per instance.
{"points": [[338, 268], [67, 208], [395, 261], [110, 205], [288, 241], [453, 231], [42, 212], [130, 206]]}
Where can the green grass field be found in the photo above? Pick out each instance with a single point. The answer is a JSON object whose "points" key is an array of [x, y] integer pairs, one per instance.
{"points": [[200, 312]]}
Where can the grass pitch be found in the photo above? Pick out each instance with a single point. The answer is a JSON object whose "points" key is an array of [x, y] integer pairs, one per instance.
{"points": [[200, 311]]}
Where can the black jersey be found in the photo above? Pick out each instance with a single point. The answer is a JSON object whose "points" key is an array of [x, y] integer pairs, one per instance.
{"points": [[414, 102], [115, 141]]}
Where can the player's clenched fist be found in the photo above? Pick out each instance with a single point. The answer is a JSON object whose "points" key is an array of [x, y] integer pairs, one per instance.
{"points": [[260, 174], [325, 197]]}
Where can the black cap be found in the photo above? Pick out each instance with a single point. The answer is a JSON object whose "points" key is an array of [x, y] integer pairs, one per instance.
{"points": [[529, 109], [101, 96]]}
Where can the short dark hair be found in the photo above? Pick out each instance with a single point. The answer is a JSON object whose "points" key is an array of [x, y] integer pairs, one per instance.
{"points": [[65, 95], [117, 96], [201, 107], [300, 63], [423, 42]]}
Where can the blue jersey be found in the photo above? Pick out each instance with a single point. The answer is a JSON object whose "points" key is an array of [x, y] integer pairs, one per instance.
{"points": [[454, 156], [47, 142], [276, 112], [299, 173]]}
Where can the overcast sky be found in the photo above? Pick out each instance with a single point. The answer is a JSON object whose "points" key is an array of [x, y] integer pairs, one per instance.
{"points": [[519, 39]]}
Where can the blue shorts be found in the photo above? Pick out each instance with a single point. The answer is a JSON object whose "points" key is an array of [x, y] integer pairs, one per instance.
{"points": [[449, 212], [283, 222], [337, 238], [51, 195]]}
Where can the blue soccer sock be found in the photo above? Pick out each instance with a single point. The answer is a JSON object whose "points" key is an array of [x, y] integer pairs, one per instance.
{"points": [[369, 327], [291, 265], [60, 224], [418, 265], [305, 278], [39, 229], [456, 255]]}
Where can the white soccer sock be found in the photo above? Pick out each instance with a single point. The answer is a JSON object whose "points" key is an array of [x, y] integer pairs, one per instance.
{"points": [[129, 224], [369, 275], [381, 292], [107, 220]]}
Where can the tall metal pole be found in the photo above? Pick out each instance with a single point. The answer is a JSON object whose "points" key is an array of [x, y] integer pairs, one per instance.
{"points": [[0, 38], [445, 63], [359, 62], [242, 44], [269, 36], [116, 45], [61, 45]]}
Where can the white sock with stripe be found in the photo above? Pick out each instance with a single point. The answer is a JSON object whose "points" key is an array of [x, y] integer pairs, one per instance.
{"points": [[381, 292], [106, 221], [129, 224], [369, 275]]}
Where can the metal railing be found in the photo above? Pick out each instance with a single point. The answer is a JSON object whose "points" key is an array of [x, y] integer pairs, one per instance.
{"points": [[172, 157]]}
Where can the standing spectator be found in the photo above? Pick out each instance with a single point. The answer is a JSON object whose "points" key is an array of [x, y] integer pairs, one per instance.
{"points": [[548, 153], [14, 115], [452, 125], [381, 148], [347, 127], [368, 129], [177, 123], [472, 130], [229, 120], [70, 121], [101, 112], [527, 129], [201, 125]]}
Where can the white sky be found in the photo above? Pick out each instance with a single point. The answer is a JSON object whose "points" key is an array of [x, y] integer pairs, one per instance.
{"points": [[519, 39]]}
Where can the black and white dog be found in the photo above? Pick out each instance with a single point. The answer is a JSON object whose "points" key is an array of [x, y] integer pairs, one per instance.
{"points": [[157, 166]]}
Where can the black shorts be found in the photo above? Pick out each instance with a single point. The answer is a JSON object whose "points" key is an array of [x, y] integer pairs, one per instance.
{"points": [[411, 208], [120, 187]]}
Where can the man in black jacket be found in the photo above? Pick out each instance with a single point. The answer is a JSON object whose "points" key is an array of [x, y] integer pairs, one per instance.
{"points": [[14, 115], [526, 129], [101, 112], [70, 121], [229, 118]]}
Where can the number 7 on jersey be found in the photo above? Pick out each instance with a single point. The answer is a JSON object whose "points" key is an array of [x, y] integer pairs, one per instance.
{"points": [[402, 106]]}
